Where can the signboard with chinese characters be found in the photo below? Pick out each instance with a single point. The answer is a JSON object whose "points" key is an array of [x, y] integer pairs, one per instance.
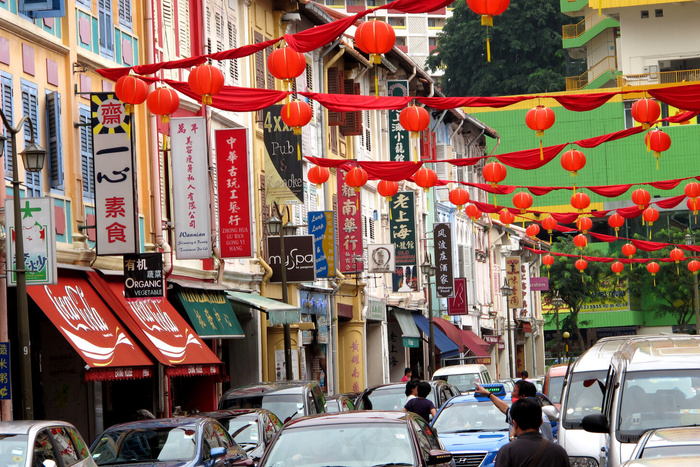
{"points": [[350, 244], [514, 279], [284, 177], [444, 278], [399, 139], [376, 309], [39, 233], [403, 236], [300, 263], [116, 217], [539, 284], [458, 305], [188, 153], [235, 230], [322, 227], [5, 381], [381, 258], [143, 275]]}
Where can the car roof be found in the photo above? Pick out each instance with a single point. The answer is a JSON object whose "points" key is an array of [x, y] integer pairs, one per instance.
{"points": [[660, 352], [402, 386], [233, 413], [557, 370], [676, 461], [598, 356], [459, 369], [259, 389], [687, 435], [25, 426], [353, 416], [159, 423]]}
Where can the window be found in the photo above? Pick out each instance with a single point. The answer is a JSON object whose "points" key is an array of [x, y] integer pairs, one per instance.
{"points": [[6, 88], [30, 108], [43, 448], [397, 22], [432, 41], [125, 13], [432, 22], [232, 44], [87, 162], [645, 14], [659, 13], [183, 19], [401, 41], [104, 12], [54, 147], [65, 446], [629, 121]]}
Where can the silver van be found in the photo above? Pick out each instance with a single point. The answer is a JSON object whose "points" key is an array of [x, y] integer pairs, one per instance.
{"points": [[464, 376], [652, 382]]}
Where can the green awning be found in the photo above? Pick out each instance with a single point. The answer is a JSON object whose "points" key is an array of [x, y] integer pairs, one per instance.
{"points": [[277, 312], [410, 336], [211, 313]]}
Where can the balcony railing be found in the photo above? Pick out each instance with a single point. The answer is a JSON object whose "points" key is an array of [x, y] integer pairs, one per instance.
{"points": [[572, 31], [579, 82], [659, 77]]}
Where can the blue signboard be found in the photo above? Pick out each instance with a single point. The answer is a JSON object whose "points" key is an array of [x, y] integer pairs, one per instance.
{"points": [[5, 386], [322, 227]]}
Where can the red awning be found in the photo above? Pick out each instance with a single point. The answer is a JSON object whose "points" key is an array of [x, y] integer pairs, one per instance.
{"points": [[526, 327], [156, 323], [475, 340], [111, 374], [466, 340], [450, 331], [89, 326], [193, 370]]}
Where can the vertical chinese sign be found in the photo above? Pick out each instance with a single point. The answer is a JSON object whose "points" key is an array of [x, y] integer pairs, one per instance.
{"points": [[322, 227], [5, 382], [188, 152], [235, 229], [116, 215], [403, 236], [284, 178], [399, 141], [39, 233], [514, 278], [444, 279], [143, 276], [350, 244]]}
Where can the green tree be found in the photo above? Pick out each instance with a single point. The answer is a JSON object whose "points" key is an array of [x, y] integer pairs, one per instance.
{"points": [[526, 51]]}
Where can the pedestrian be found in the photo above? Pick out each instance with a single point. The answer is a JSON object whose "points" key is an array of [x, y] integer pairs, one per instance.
{"points": [[411, 389], [406, 375], [529, 448], [420, 405], [526, 376]]}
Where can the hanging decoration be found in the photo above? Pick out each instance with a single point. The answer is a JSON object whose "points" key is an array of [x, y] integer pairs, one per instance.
{"points": [[532, 231], [296, 114], [581, 241], [356, 178], [318, 175], [494, 173], [692, 190], [132, 91], [694, 266], [616, 221], [548, 260], [549, 223], [677, 255], [207, 81], [539, 119], [650, 215], [506, 217], [425, 178], [646, 111], [658, 141], [522, 201], [387, 189], [629, 250], [584, 224], [375, 38], [641, 197], [694, 205], [580, 201], [459, 197], [286, 65], [581, 264], [414, 119], [488, 9], [573, 160], [617, 267], [653, 268], [473, 212], [163, 102]]}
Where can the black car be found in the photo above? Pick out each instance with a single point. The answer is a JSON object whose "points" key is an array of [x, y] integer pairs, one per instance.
{"points": [[286, 399], [393, 396]]}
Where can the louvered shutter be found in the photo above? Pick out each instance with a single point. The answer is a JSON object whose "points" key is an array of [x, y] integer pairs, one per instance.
{"points": [[183, 7], [335, 86], [30, 102], [270, 78], [55, 145], [368, 132], [106, 24], [259, 74], [8, 110], [232, 44], [353, 120], [125, 13], [86, 157]]}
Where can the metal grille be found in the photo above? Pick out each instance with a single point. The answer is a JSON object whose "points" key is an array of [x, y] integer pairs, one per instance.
{"points": [[417, 25], [472, 459]]}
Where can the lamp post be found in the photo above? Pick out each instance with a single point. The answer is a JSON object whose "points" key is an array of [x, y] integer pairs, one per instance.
{"points": [[507, 291], [557, 302], [428, 271], [274, 227], [33, 157], [566, 336], [689, 241]]}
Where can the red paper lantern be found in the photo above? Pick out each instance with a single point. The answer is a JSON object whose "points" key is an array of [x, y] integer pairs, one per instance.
{"points": [[414, 119], [616, 221], [425, 178], [658, 142], [548, 260], [641, 197], [694, 266], [296, 114], [580, 241], [549, 223], [573, 161], [532, 230], [584, 224], [539, 119], [650, 215], [459, 197], [581, 265], [646, 112], [580, 201], [356, 178], [488, 9], [131, 90], [387, 189], [163, 102], [653, 268], [506, 217], [629, 250], [473, 212], [617, 267], [692, 190], [677, 255], [206, 80], [694, 205], [494, 172], [522, 201], [285, 64], [375, 38], [318, 175]]}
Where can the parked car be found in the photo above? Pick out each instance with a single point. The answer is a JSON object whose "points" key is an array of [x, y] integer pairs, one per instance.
{"points": [[668, 442], [551, 411], [684, 461], [554, 383], [508, 384], [339, 403], [42, 444], [357, 439], [251, 429], [181, 442], [286, 399], [464, 376], [393, 396]]}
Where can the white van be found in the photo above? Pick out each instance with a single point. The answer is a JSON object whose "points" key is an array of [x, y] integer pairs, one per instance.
{"points": [[652, 382], [580, 397], [464, 376]]}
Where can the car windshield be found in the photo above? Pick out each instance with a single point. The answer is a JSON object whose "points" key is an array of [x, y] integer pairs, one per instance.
{"points": [[671, 451], [585, 396], [464, 382], [244, 431], [393, 398], [282, 405], [554, 389], [13, 450], [470, 416], [157, 444], [347, 445]]}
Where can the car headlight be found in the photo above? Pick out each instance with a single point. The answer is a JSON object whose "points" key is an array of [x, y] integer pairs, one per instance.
{"points": [[583, 462]]}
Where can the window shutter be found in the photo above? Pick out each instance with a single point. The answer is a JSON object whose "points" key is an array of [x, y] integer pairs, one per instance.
{"points": [[353, 120], [232, 44], [55, 144], [30, 102], [183, 7], [86, 157], [335, 86], [125, 13], [270, 78], [106, 23], [8, 110], [368, 132]]}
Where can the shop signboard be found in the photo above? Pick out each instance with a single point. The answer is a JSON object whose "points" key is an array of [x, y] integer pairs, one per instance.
{"points": [[284, 177], [322, 227], [350, 244], [300, 259], [442, 242], [399, 139], [403, 237], [458, 305], [143, 276]]}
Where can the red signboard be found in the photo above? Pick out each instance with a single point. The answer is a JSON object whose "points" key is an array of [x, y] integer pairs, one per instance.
{"points": [[457, 305], [350, 246], [235, 230]]}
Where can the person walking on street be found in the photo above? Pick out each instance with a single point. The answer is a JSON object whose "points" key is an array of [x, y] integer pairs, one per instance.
{"points": [[530, 449], [411, 389], [406, 375], [420, 405]]}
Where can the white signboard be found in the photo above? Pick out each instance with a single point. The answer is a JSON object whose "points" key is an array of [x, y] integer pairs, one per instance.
{"points": [[381, 258], [39, 234], [191, 188]]}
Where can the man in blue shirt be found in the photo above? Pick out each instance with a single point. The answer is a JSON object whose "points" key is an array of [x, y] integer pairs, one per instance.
{"points": [[420, 405]]}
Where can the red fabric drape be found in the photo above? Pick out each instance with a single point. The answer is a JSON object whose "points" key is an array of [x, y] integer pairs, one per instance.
{"points": [[603, 259], [234, 99], [341, 103]]}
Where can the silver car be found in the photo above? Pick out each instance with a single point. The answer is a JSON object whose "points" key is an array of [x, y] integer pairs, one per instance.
{"points": [[42, 443]]}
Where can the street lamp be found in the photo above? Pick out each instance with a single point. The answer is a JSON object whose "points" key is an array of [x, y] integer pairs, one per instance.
{"points": [[274, 227], [33, 157], [689, 241], [557, 303], [507, 291], [428, 271], [566, 336]]}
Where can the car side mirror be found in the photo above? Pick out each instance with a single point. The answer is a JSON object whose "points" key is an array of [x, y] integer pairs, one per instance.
{"points": [[49, 463], [438, 456], [551, 412], [595, 423], [217, 452]]}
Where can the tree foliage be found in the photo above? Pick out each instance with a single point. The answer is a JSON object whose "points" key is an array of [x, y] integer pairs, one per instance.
{"points": [[526, 51]]}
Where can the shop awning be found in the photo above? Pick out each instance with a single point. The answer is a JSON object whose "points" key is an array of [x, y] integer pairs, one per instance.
{"points": [[210, 313], [109, 350], [467, 340], [446, 346], [410, 337], [278, 312], [159, 327]]}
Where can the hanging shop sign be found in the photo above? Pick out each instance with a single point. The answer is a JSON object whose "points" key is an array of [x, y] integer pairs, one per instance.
{"points": [[403, 236], [376, 309], [188, 153], [284, 177], [300, 261], [233, 171], [381, 258], [399, 140], [444, 278], [116, 217], [143, 276], [539, 284], [350, 244], [39, 234], [322, 227], [5, 373], [458, 305], [515, 280]]}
